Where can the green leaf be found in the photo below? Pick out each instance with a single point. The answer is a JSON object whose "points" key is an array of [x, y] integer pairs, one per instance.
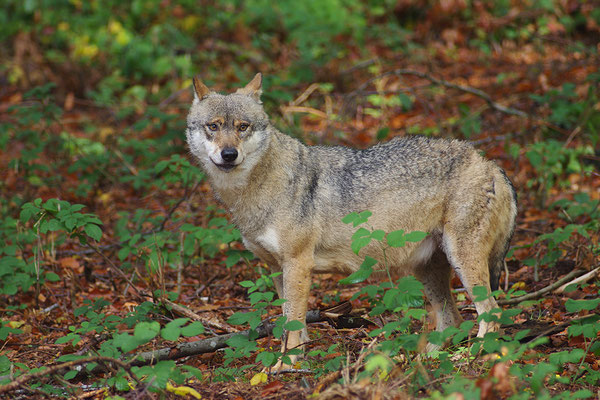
{"points": [[535, 158], [406, 101], [480, 293], [172, 330], [346, 220], [239, 318], [521, 334], [193, 329], [383, 133], [578, 305], [69, 222], [294, 325], [267, 358], [146, 331], [363, 273], [356, 218], [415, 236], [396, 238], [361, 233], [378, 362], [70, 374], [122, 384], [363, 217], [378, 234], [358, 244], [123, 253], [66, 339], [161, 165], [27, 211], [52, 277], [232, 259], [582, 394], [125, 341], [93, 231], [356, 277], [54, 225]]}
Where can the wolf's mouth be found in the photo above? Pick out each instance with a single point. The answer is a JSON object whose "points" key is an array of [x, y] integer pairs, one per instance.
{"points": [[225, 167]]}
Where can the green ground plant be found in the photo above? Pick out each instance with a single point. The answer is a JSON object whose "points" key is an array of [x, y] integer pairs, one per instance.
{"points": [[106, 182]]}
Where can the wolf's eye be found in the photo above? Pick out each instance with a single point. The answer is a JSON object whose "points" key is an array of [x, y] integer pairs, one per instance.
{"points": [[243, 127], [213, 127]]}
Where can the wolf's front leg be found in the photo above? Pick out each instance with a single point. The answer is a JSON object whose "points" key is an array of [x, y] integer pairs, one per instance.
{"points": [[296, 280], [278, 282]]}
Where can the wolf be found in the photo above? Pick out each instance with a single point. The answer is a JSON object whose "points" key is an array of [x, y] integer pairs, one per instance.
{"points": [[288, 200]]}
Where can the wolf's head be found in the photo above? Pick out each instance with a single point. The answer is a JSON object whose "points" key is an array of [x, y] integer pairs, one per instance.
{"points": [[227, 133]]}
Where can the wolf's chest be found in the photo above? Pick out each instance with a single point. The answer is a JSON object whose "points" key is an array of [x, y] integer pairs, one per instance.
{"points": [[266, 245]]}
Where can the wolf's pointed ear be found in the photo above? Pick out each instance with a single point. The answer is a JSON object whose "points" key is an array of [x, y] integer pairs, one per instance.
{"points": [[200, 89], [254, 88]]}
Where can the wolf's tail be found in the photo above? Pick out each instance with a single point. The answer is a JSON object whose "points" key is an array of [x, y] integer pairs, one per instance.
{"points": [[502, 244]]}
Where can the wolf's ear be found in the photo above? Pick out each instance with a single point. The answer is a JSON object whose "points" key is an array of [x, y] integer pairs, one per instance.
{"points": [[254, 88], [200, 89]]}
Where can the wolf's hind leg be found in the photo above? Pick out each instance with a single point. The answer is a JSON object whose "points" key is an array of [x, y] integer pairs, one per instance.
{"points": [[435, 276], [469, 258]]}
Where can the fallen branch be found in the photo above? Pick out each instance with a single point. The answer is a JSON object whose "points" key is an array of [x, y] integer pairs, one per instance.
{"points": [[58, 368], [583, 278], [558, 328], [538, 293], [170, 353], [264, 329], [292, 371]]}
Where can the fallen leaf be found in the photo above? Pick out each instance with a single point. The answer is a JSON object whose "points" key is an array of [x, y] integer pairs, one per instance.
{"points": [[259, 378]]}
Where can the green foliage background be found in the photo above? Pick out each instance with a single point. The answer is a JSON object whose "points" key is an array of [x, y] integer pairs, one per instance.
{"points": [[94, 164]]}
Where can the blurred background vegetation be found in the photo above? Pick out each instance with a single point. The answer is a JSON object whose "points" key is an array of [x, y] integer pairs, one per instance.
{"points": [[93, 98]]}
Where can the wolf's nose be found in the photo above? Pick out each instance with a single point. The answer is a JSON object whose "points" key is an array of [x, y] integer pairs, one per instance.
{"points": [[229, 154]]}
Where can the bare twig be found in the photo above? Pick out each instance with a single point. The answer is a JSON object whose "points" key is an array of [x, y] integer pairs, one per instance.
{"points": [[172, 97], [538, 293], [117, 270], [305, 95], [506, 274], [466, 89], [185, 196], [359, 65], [195, 317], [302, 109], [127, 164], [180, 263]]}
